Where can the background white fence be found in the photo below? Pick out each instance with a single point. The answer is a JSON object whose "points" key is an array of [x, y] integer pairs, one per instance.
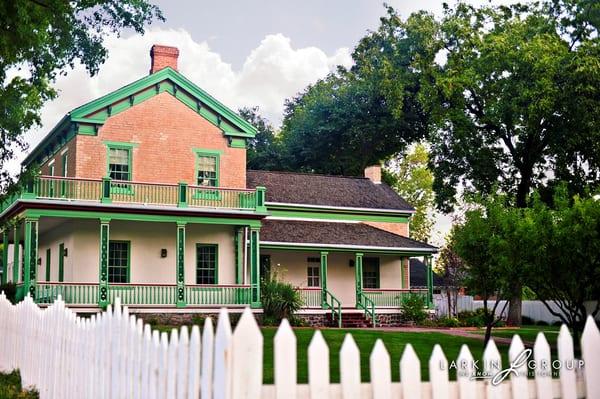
{"points": [[114, 355], [535, 310]]}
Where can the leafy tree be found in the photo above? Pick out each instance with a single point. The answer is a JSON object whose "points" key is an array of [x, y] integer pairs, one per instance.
{"points": [[413, 180], [264, 151], [39, 39]]}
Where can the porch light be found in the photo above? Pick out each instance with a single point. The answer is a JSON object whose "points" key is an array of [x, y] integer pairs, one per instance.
{"points": [[65, 252], [163, 253], [351, 263]]}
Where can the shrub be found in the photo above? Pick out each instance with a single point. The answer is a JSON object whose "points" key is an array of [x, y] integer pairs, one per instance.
{"points": [[10, 290], [198, 319], [527, 321], [279, 300], [472, 319], [413, 308], [448, 322]]}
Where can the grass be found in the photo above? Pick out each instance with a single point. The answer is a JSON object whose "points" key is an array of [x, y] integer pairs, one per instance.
{"points": [[10, 387], [527, 333], [395, 342]]}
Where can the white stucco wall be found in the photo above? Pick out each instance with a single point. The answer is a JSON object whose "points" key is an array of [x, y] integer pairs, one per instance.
{"points": [[292, 267], [61, 234]]}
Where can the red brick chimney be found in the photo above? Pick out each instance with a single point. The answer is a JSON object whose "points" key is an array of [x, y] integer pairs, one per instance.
{"points": [[373, 173], [162, 57]]}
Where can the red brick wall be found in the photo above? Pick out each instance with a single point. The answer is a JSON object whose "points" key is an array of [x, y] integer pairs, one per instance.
{"points": [[396, 228], [165, 132], [58, 163]]}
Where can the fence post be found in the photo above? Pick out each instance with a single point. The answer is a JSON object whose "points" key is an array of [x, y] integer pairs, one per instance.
{"points": [[182, 195], [105, 199]]}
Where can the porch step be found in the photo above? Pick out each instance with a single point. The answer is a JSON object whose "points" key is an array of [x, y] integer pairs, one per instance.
{"points": [[352, 320]]}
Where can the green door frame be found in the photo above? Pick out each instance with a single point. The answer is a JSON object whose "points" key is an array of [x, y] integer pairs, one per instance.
{"points": [[61, 262]]}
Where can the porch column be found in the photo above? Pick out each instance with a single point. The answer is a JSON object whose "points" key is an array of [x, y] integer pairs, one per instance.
{"points": [[4, 257], [180, 265], [16, 261], [358, 275], [324, 279], [429, 281], [254, 268], [239, 255], [30, 252], [103, 274]]}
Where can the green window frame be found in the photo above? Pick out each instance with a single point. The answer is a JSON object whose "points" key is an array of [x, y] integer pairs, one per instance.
{"points": [[207, 173], [207, 264], [119, 166], [51, 171], [65, 164], [61, 262], [119, 262], [313, 272], [48, 263], [371, 273]]}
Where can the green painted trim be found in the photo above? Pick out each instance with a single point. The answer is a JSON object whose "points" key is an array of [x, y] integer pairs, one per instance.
{"points": [[120, 144], [180, 265], [237, 142], [61, 127], [128, 277], [329, 214], [61, 262], [48, 263], [4, 257], [182, 195], [103, 265], [15, 278], [239, 255], [255, 268], [428, 262], [87, 130], [141, 217], [212, 245], [208, 154], [324, 279], [335, 249], [358, 275], [30, 251]]}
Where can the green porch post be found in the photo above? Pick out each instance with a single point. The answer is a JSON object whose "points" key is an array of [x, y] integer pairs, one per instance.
{"points": [[4, 257], [30, 251], [254, 268], [358, 275], [103, 273], [429, 281], [239, 255], [16, 262], [181, 265], [324, 279]]}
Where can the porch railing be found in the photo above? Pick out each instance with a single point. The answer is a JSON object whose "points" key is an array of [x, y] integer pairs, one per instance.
{"points": [[392, 297], [311, 296], [116, 191], [217, 294], [71, 293], [143, 294]]}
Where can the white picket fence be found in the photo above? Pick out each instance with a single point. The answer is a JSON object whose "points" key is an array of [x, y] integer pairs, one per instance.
{"points": [[114, 355]]}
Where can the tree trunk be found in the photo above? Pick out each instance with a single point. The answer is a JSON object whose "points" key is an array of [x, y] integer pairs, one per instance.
{"points": [[514, 309]]}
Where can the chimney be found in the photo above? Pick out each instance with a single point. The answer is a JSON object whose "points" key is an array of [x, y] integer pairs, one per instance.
{"points": [[373, 173], [162, 57]]}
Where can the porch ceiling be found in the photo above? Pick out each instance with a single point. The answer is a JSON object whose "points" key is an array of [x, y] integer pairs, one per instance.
{"points": [[337, 234]]}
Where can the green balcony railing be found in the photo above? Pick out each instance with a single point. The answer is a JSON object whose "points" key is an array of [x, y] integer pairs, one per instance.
{"points": [[311, 296], [106, 190], [392, 297], [217, 294]]}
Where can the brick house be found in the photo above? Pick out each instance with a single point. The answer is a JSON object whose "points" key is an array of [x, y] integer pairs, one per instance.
{"points": [[143, 194]]}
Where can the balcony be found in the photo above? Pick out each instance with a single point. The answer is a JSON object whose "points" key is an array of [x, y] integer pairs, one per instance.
{"points": [[106, 191]]}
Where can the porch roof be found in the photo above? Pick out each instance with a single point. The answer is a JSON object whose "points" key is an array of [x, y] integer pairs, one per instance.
{"points": [[356, 236]]}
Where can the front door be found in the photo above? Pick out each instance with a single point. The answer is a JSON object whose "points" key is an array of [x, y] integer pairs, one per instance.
{"points": [[265, 267], [370, 273]]}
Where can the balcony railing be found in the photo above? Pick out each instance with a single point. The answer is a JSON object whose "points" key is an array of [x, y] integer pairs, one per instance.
{"points": [[143, 193], [392, 297]]}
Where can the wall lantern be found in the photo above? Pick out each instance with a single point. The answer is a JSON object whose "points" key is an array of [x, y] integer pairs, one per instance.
{"points": [[351, 263], [65, 252], [163, 253], [39, 261]]}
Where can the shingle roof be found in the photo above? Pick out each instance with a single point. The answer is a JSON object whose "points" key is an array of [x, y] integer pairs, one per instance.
{"points": [[324, 190], [331, 233], [418, 274]]}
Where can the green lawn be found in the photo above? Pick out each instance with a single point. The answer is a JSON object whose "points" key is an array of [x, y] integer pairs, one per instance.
{"points": [[394, 341], [527, 333]]}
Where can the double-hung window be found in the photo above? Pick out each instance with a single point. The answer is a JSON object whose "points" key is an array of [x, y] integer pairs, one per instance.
{"points": [[313, 272], [119, 167], [206, 263], [207, 174], [371, 272], [118, 261]]}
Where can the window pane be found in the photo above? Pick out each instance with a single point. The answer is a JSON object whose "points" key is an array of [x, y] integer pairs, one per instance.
{"points": [[118, 259], [371, 272], [206, 264], [118, 163], [313, 272], [207, 171]]}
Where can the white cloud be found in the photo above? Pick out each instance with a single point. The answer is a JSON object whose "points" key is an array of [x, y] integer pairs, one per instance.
{"points": [[272, 72]]}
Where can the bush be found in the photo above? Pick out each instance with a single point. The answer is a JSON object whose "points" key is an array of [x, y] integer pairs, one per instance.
{"points": [[10, 290], [279, 301], [413, 308], [448, 322], [527, 321], [472, 319]]}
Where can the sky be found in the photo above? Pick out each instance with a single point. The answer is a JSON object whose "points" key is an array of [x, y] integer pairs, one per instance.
{"points": [[244, 53]]}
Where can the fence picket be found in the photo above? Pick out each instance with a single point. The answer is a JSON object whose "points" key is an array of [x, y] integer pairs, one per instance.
{"points": [[465, 369], [381, 372], [438, 374], [183, 352], [518, 380], [590, 351], [172, 363], [410, 373], [318, 367], [284, 352], [543, 371], [566, 356], [207, 360], [492, 364], [350, 368], [247, 358], [222, 358], [193, 378]]}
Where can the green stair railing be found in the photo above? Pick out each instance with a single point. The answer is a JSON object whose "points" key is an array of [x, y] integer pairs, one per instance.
{"points": [[331, 302], [365, 303]]}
